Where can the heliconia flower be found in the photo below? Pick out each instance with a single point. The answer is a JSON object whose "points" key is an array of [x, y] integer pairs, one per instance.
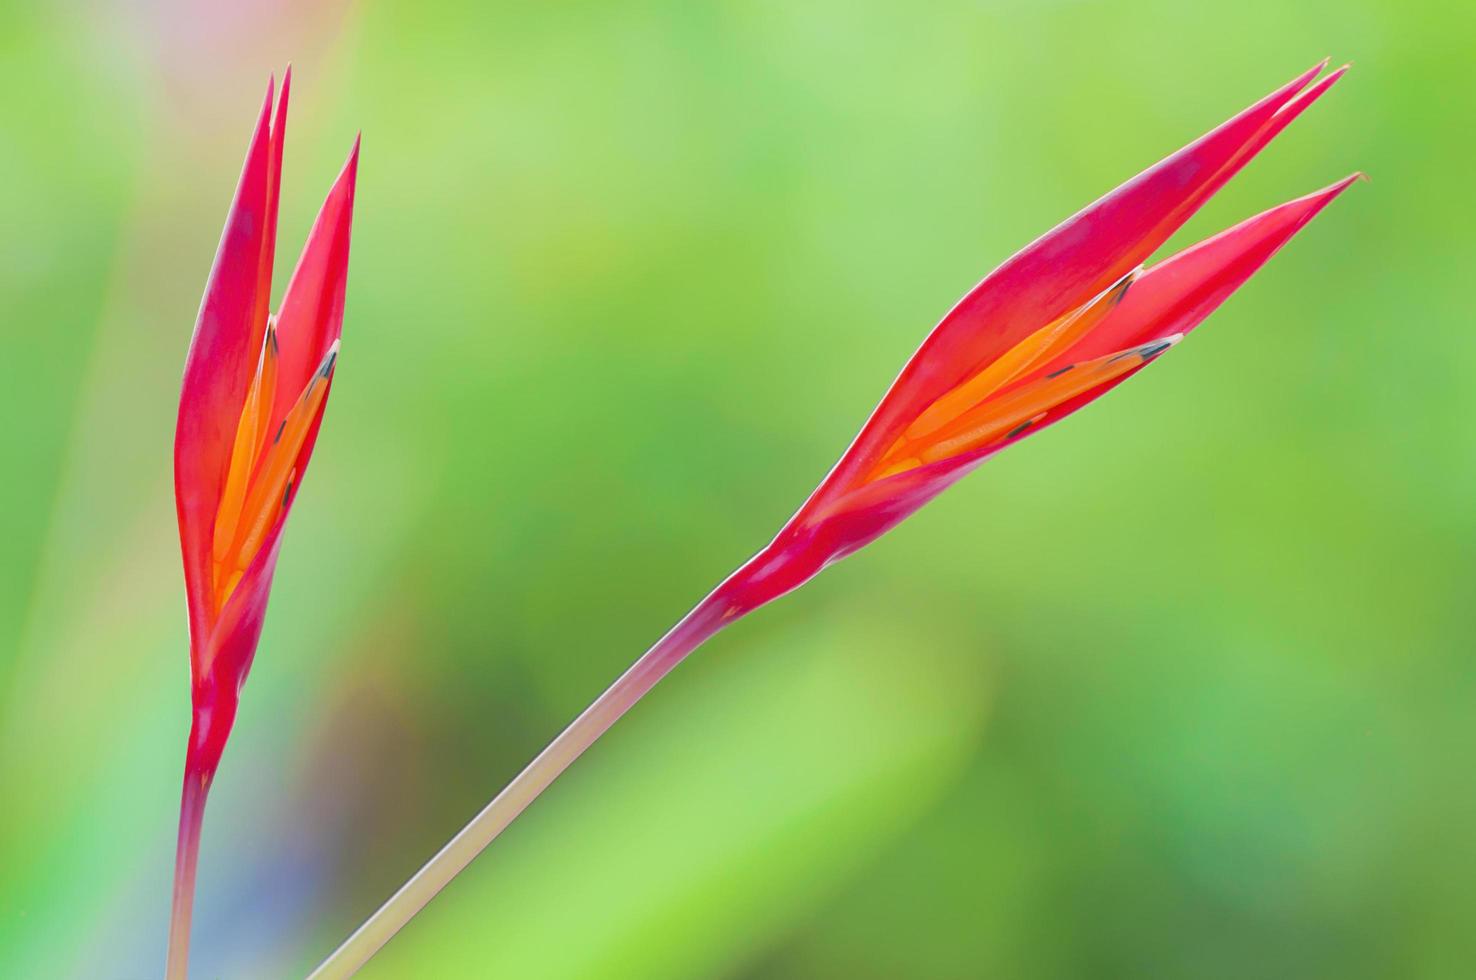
{"points": [[255, 385], [1059, 324]]}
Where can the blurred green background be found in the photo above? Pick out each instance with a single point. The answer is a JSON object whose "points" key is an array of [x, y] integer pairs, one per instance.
{"points": [[1183, 688]]}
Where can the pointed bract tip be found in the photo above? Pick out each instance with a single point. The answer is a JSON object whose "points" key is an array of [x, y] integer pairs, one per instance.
{"points": [[351, 165], [271, 94], [1311, 93], [1305, 78], [279, 124], [1308, 206], [1337, 187], [349, 175]]}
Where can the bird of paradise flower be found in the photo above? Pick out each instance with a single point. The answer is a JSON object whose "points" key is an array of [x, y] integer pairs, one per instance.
{"points": [[1059, 324], [255, 386]]}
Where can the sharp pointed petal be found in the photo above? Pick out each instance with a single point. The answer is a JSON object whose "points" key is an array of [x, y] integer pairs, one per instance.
{"points": [[220, 364], [1176, 295], [311, 316]]}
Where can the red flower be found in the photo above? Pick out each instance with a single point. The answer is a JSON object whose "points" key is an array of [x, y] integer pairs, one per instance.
{"points": [[252, 399], [1058, 325], [1062, 322]]}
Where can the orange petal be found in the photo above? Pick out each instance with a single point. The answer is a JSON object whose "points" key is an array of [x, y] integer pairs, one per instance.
{"points": [[251, 435], [271, 487]]}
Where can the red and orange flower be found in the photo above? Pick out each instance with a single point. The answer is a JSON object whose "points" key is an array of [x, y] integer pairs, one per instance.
{"points": [[1058, 325], [255, 385]]}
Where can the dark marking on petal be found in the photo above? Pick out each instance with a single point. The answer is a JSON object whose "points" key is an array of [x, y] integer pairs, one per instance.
{"points": [[1153, 350], [1060, 371], [1020, 428], [286, 494], [280, 429], [328, 365]]}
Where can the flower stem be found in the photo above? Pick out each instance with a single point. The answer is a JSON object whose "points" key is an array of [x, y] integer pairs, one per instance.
{"points": [[709, 616], [187, 853], [213, 712]]}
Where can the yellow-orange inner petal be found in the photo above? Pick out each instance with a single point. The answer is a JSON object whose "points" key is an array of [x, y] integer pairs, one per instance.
{"points": [[998, 419], [263, 467], [971, 414], [251, 433], [1055, 337]]}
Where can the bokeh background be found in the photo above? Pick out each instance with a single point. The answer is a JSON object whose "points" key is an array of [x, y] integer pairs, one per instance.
{"points": [[1182, 688]]}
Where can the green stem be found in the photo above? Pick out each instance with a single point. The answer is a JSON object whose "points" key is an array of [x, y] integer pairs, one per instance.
{"points": [[707, 618]]}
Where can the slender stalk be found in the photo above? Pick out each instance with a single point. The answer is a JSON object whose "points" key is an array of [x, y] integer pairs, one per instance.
{"points": [[186, 856], [212, 714], [706, 619]]}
